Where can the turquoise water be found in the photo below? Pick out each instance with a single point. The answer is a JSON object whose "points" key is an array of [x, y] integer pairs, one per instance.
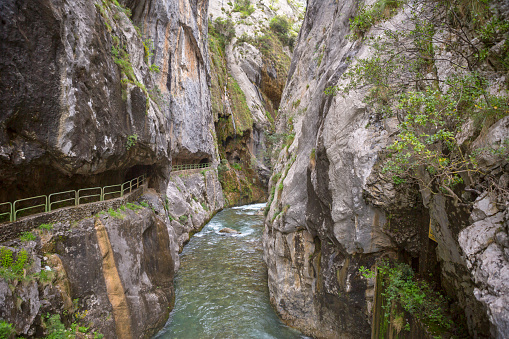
{"points": [[221, 287]]}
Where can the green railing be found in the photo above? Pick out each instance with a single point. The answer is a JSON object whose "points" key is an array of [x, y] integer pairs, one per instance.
{"points": [[189, 167], [54, 201]]}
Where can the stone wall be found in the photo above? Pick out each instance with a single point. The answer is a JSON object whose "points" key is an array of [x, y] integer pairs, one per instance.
{"points": [[9, 231]]}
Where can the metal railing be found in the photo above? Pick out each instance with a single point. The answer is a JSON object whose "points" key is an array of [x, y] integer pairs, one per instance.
{"points": [[189, 166], [54, 201]]}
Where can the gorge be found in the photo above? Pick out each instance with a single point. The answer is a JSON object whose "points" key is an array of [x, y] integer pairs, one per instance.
{"points": [[377, 132]]}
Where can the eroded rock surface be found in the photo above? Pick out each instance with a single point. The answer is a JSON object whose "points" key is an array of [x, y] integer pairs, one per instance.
{"points": [[81, 98], [333, 210], [116, 269]]}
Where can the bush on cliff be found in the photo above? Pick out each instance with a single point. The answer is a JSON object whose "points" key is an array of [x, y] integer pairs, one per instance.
{"points": [[432, 107]]}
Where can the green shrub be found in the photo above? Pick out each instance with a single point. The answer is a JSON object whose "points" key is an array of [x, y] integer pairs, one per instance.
{"points": [[133, 207], [56, 329], [244, 7], [46, 227], [281, 26], [367, 16], [223, 30], [13, 270], [183, 218], [416, 297], [27, 236], [6, 329], [131, 141], [115, 214]]}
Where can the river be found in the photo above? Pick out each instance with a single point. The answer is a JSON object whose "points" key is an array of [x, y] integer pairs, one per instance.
{"points": [[221, 287]]}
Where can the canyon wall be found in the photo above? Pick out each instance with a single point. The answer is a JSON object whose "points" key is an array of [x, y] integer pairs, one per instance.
{"points": [[96, 93], [112, 272], [334, 210], [249, 66]]}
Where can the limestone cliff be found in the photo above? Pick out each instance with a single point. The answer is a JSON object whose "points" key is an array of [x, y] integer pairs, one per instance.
{"points": [[334, 205], [112, 273], [249, 67], [95, 93]]}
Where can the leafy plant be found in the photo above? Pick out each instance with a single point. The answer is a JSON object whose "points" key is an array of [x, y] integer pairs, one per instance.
{"points": [[369, 15], [416, 297], [46, 227], [115, 214], [244, 7], [133, 207], [282, 27], [131, 141], [6, 329], [27, 236], [223, 30], [56, 329], [404, 83], [14, 269], [183, 218]]}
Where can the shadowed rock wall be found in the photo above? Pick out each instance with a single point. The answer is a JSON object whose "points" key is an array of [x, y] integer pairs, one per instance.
{"points": [[333, 211]]}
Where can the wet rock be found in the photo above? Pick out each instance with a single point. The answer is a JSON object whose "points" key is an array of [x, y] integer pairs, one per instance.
{"points": [[229, 230]]}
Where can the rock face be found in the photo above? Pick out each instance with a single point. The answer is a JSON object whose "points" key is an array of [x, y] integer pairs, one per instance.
{"points": [[84, 66], [249, 67], [118, 266], [332, 210], [192, 200], [119, 270], [95, 93]]}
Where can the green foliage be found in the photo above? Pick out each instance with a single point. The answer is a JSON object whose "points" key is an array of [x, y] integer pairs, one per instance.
{"points": [[366, 273], [416, 297], [404, 82], [46, 227], [56, 329], [27, 236], [121, 58], [45, 276], [282, 27], [6, 329], [144, 204], [14, 269], [244, 7], [275, 177], [367, 16], [270, 119], [223, 30], [154, 68], [237, 166], [115, 214], [6, 257], [183, 218], [131, 141], [133, 207]]}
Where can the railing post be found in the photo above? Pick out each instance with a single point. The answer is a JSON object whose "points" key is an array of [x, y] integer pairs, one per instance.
{"points": [[10, 217], [102, 194]]}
